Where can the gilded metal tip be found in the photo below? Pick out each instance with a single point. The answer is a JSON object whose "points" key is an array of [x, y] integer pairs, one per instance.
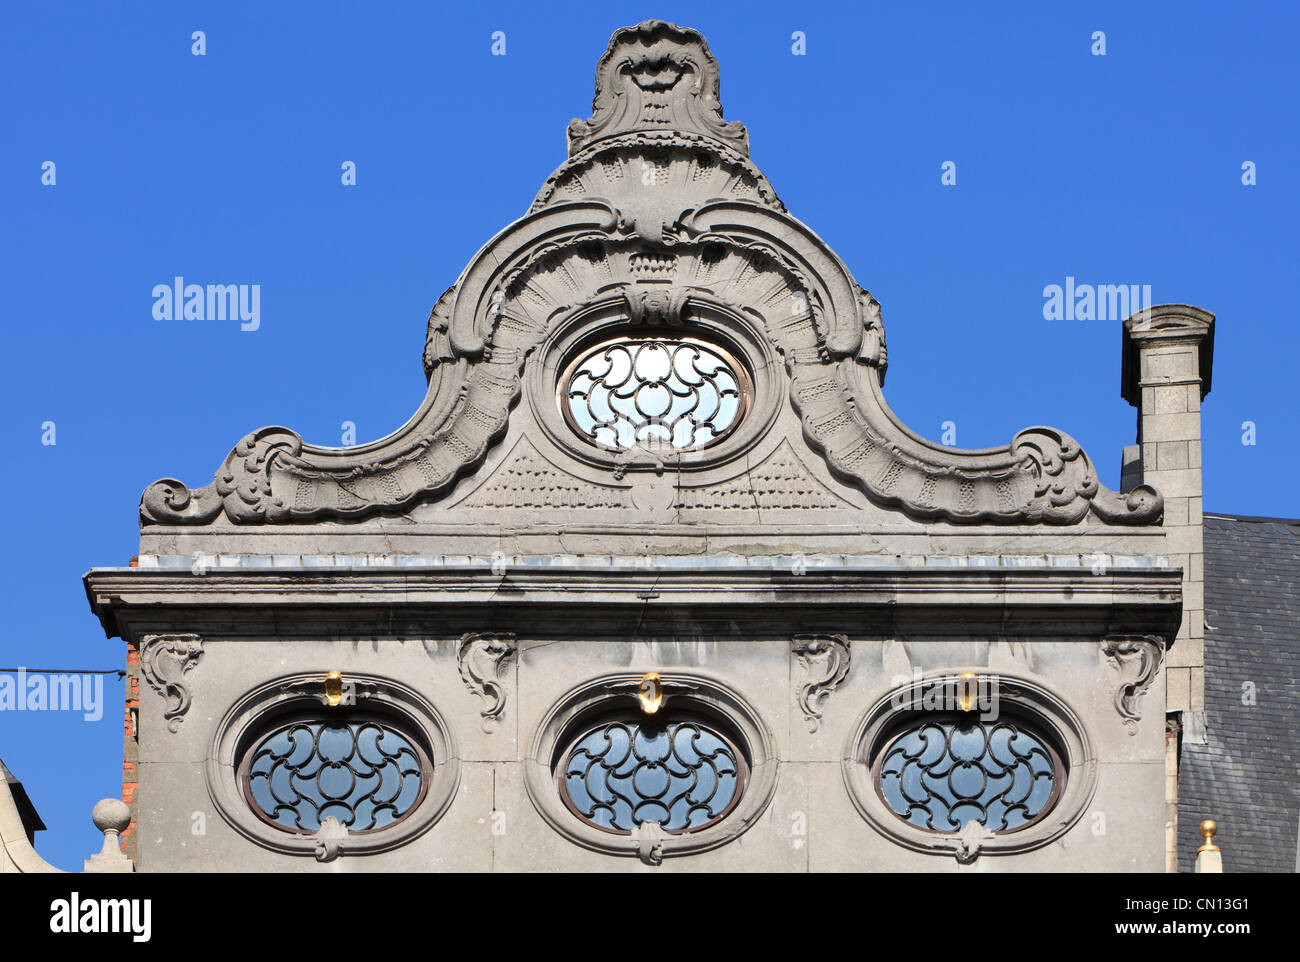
{"points": [[334, 689], [967, 690], [650, 693]]}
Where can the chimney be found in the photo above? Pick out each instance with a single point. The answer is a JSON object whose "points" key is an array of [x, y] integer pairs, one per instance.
{"points": [[1167, 362]]}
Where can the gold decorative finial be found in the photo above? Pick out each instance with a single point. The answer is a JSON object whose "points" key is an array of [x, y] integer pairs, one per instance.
{"points": [[967, 690], [1208, 828], [650, 693], [334, 689]]}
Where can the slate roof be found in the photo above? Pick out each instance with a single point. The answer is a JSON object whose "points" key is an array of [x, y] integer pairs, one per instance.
{"points": [[1247, 775]]}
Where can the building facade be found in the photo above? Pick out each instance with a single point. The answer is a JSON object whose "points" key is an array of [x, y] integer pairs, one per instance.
{"points": [[655, 580]]}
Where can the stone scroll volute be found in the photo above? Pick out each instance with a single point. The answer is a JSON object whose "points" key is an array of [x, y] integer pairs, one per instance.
{"points": [[1137, 659], [481, 657], [825, 659], [165, 661]]}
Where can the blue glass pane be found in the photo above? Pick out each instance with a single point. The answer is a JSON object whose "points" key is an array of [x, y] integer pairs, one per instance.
{"points": [[680, 775], [942, 773], [361, 772]]}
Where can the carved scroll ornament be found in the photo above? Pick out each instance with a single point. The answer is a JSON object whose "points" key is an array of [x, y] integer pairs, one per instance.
{"points": [[1137, 658], [481, 658], [826, 658], [165, 660]]}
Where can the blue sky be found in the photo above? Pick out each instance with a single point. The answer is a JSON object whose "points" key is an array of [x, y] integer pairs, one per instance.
{"points": [[225, 168]]}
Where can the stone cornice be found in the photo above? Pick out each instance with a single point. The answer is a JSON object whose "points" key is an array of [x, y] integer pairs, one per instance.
{"points": [[1001, 599]]}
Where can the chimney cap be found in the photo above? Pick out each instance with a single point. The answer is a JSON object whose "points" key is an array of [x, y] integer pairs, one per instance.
{"points": [[1165, 322]]}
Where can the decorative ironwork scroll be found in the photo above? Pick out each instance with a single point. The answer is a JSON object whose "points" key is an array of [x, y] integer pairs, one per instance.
{"points": [[359, 770], [680, 775], [945, 771], [679, 393]]}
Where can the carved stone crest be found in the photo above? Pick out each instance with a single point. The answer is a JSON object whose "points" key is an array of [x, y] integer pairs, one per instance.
{"points": [[826, 658], [657, 76], [480, 658], [164, 662], [1137, 658]]}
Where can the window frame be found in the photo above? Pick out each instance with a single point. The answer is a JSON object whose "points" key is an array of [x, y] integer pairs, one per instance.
{"points": [[722, 707], [716, 326], [260, 709], [1018, 696]]}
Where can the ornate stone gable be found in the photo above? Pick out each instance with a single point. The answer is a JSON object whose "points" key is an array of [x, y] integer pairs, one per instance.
{"points": [[657, 228]]}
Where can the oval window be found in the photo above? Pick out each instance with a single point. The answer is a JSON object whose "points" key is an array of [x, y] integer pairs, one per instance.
{"points": [[939, 772], [654, 392], [680, 772], [363, 770]]}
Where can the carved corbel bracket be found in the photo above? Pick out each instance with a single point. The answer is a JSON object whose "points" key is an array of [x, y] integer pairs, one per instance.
{"points": [[969, 842], [649, 840], [1137, 658], [481, 656], [164, 662], [826, 658], [329, 839]]}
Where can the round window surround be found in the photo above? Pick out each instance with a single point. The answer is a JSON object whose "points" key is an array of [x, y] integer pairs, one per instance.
{"points": [[412, 774], [1047, 776], [738, 752], [695, 394]]}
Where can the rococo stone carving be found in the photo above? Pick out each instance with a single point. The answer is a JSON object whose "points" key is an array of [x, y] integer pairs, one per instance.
{"points": [[827, 659], [1137, 658], [480, 658], [164, 662], [657, 76], [657, 214], [969, 842], [329, 839]]}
